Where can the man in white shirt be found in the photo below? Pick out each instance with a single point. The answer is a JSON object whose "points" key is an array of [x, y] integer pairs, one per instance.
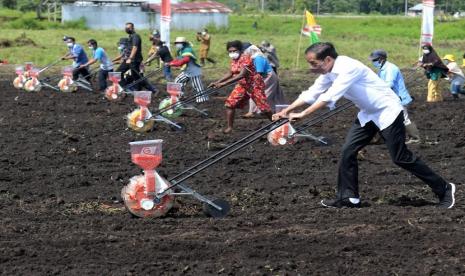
{"points": [[380, 111]]}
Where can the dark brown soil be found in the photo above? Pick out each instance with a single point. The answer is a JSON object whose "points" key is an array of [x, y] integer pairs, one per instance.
{"points": [[65, 158]]}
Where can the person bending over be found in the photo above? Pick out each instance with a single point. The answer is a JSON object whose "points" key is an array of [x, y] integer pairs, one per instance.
{"points": [[380, 111], [106, 66], [250, 84]]}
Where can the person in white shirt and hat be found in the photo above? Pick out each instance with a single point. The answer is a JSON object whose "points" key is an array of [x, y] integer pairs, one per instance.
{"points": [[456, 76], [380, 111]]}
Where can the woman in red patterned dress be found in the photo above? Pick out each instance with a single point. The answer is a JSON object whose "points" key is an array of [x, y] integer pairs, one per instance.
{"points": [[249, 84]]}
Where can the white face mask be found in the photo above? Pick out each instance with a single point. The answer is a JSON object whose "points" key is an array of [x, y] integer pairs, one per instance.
{"points": [[234, 55], [91, 48], [178, 46], [69, 44], [204, 33], [425, 52]]}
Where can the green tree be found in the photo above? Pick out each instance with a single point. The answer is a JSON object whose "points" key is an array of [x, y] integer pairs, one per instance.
{"points": [[10, 4]]}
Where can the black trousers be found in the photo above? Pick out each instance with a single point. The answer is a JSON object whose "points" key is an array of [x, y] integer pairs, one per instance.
{"points": [[394, 137], [84, 72], [102, 79], [135, 74]]}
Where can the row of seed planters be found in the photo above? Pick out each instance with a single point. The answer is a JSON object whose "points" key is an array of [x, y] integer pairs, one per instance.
{"points": [[28, 78], [150, 195]]}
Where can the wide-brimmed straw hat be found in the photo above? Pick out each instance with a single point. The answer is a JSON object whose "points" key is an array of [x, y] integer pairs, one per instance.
{"points": [[180, 39]]}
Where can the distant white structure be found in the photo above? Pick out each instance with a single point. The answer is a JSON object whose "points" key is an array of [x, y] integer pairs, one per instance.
{"points": [[145, 14], [415, 10]]}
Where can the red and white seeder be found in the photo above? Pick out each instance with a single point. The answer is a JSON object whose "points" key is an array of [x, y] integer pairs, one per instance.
{"points": [[143, 199]]}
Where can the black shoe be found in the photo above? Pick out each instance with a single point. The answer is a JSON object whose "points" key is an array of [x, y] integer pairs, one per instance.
{"points": [[456, 96], [339, 203], [447, 201]]}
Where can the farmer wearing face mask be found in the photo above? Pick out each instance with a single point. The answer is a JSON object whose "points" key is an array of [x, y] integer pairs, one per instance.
{"points": [[380, 111], [456, 76], [162, 52], [135, 57], [273, 91], [204, 38], [250, 84], [434, 70], [191, 71], [79, 57], [106, 66], [391, 74]]}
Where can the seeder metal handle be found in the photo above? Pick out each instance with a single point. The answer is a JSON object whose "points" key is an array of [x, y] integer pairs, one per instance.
{"points": [[141, 79], [252, 137], [243, 142], [190, 99], [50, 65]]}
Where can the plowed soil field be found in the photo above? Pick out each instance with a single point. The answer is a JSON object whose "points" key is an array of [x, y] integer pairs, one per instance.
{"points": [[65, 158]]}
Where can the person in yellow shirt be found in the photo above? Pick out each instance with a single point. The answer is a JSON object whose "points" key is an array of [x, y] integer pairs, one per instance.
{"points": [[204, 38]]}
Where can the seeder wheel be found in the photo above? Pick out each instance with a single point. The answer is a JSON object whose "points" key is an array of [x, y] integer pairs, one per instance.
{"points": [[171, 113], [215, 213], [67, 85], [32, 85], [280, 136], [18, 82], [113, 93], [135, 198], [134, 122]]}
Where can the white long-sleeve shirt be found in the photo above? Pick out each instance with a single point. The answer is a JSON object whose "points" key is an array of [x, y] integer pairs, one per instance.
{"points": [[351, 79]]}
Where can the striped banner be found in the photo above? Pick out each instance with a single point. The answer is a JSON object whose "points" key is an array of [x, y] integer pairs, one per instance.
{"points": [[165, 20], [427, 24]]}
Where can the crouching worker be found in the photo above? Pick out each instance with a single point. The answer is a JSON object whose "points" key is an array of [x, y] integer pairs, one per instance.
{"points": [[455, 75], [380, 111], [106, 66], [250, 84], [79, 57]]}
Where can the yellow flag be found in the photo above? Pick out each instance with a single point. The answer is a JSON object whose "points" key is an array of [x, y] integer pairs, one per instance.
{"points": [[310, 19]]}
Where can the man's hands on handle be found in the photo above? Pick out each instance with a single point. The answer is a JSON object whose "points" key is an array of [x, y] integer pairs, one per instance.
{"points": [[295, 116]]}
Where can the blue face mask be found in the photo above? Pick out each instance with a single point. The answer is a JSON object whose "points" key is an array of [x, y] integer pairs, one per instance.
{"points": [[376, 64]]}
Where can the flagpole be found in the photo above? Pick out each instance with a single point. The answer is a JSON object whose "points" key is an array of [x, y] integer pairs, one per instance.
{"points": [[296, 64]]}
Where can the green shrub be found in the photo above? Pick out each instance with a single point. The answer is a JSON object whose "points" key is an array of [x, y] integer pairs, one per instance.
{"points": [[25, 23], [10, 14]]}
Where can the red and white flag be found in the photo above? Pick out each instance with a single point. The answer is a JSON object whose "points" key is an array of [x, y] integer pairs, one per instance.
{"points": [[427, 24], [165, 20]]}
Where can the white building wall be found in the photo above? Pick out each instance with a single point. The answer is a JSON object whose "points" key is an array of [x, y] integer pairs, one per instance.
{"points": [[114, 16], [108, 16]]}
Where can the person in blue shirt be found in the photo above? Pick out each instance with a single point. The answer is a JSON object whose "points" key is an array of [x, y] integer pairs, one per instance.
{"points": [[79, 57], [391, 74], [106, 66], [273, 91]]}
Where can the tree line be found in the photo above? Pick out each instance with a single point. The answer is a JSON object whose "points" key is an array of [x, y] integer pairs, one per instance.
{"points": [[338, 6], [296, 6]]}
